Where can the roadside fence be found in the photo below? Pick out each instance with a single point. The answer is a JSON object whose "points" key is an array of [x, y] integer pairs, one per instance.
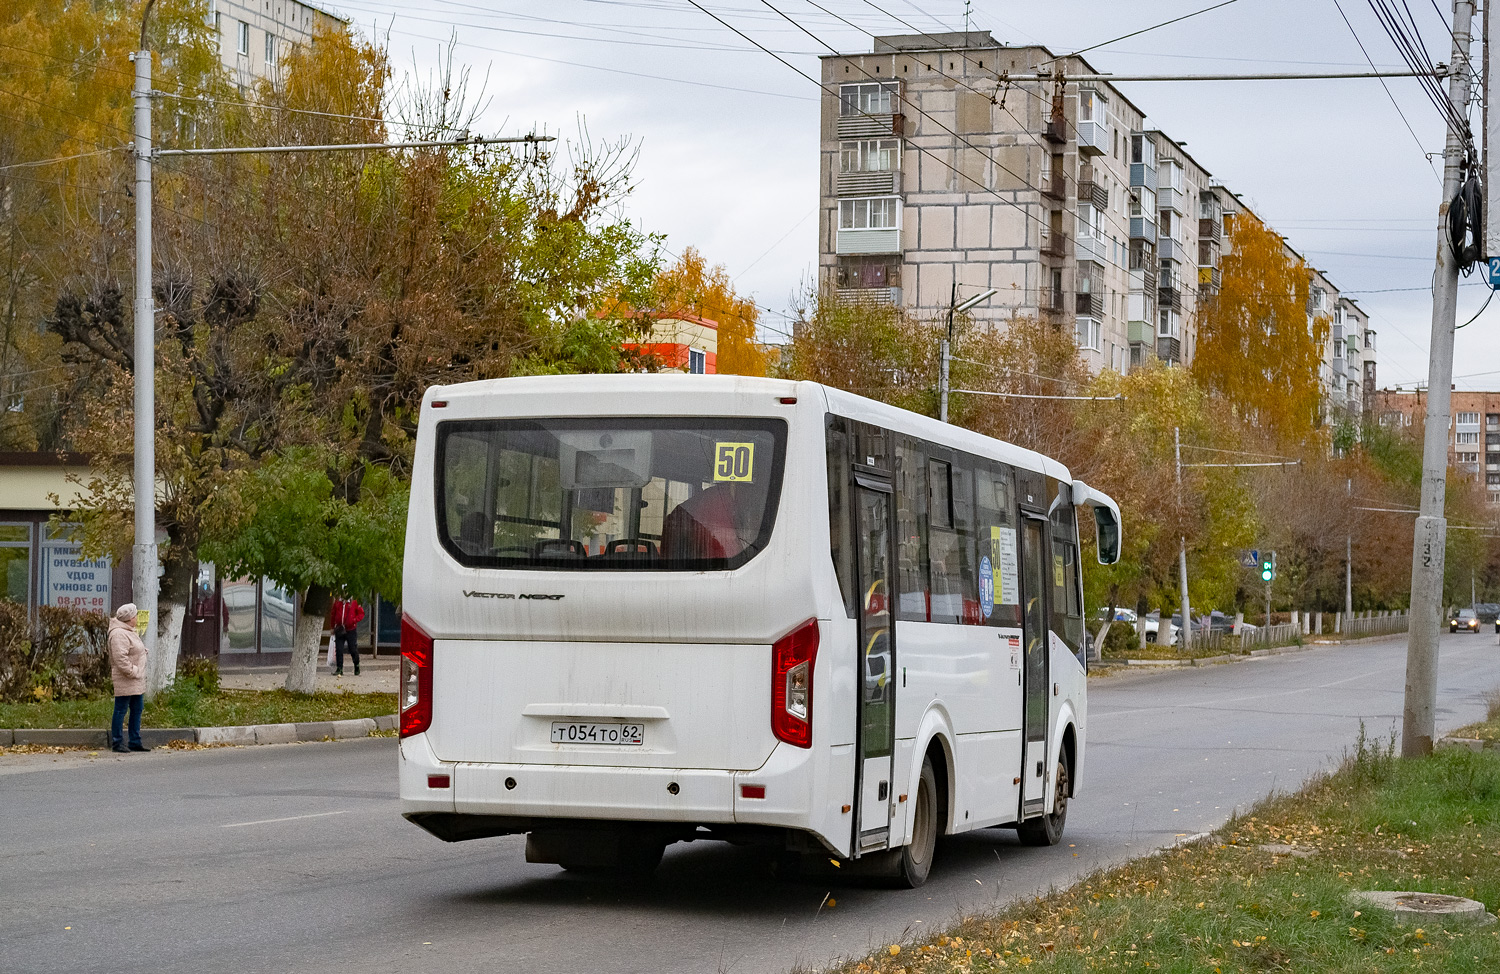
{"points": [[1376, 625]]}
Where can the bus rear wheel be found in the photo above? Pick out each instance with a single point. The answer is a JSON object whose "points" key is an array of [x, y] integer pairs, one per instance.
{"points": [[1048, 829], [914, 860]]}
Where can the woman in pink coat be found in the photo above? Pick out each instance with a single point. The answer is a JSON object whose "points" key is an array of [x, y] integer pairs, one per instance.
{"points": [[127, 662]]}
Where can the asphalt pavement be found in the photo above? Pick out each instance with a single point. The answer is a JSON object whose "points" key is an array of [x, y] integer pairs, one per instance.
{"points": [[293, 858]]}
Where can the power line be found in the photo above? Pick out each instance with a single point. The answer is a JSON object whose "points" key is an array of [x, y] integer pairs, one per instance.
{"points": [[48, 162], [1143, 30], [1388, 94]]}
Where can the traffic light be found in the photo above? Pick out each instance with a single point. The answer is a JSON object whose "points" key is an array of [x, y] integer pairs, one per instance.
{"points": [[1268, 567]]}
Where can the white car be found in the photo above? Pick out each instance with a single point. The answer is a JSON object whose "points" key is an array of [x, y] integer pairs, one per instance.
{"points": [[1153, 622]]}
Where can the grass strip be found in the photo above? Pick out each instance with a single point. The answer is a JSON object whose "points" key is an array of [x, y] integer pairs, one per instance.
{"points": [[1242, 902], [187, 706]]}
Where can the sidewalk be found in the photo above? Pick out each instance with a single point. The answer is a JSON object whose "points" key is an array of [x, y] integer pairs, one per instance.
{"points": [[376, 676]]}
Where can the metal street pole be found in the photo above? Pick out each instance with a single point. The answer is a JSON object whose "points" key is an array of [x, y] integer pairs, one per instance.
{"points": [[1417, 717], [947, 354], [144, 553], [1187, 617]]}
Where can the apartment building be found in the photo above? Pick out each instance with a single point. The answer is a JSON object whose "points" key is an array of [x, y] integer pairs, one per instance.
{"points": [[948, 168], [1473, 430], [255, 35]]}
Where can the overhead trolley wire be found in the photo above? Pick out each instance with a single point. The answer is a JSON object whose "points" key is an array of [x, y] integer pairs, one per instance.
{"points": [[1394, 104]]}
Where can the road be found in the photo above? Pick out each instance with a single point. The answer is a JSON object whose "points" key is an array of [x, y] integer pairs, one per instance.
{"points": [[293, 858]]}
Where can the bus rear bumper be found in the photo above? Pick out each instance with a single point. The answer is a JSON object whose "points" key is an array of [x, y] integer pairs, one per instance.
{"points": [[498, 799]]}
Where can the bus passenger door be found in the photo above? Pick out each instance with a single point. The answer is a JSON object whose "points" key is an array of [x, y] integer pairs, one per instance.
{"points": [[1034, 593], [877, 698]]}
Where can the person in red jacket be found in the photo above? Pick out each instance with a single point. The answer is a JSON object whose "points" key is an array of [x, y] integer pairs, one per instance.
{"points": [[346, 616]]}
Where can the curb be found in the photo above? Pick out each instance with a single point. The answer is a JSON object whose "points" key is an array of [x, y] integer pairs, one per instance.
{"points": [[1465, 744], [320, 730]]}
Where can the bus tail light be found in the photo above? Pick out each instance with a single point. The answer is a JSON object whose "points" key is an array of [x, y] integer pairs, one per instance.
{"points": [[416, 678], [792, 659]]}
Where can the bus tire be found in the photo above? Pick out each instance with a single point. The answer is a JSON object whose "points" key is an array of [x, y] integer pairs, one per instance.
{"points": [[914, 860], [1048, 829]]}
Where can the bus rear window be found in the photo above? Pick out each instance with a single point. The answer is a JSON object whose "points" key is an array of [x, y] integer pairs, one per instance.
{"points": [[612, 494]]}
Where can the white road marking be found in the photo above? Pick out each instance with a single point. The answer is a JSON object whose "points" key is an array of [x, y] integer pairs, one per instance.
{"points": [[271, 821]]}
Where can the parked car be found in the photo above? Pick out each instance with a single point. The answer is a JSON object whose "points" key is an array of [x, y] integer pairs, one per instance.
{"points": [[1464, 620], [1153, 629], [1215, 621]]}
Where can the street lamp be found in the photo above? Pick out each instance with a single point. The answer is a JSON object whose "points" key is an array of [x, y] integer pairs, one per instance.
{"points": [[953, 308]]}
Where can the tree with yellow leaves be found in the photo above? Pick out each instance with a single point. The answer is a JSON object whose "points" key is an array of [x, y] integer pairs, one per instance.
{"points": [[690, 285], [1258, 343]]}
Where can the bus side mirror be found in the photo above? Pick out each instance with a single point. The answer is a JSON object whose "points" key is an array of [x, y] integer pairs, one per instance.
{"points": [[1107, 532]]}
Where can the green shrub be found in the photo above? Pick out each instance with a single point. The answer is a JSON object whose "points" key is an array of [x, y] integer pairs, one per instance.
{"points": [[61, 656], [199, 671]]}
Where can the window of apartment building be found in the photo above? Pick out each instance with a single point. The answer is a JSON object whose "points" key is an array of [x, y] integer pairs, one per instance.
{"points": [[1465, 439], [1057, 289], [1167, 324], [1492, 420], [1492, 479], [1467, 457], [1090, 105], [1142, 150], [697, 361], [877, 213], [242, 38], [1468, 419], [872, 99], [1088, 333], [1316, 298], [219, 28], [270, 48], [1228, 224], [1089, 221], [870, 155], [868, 271]]}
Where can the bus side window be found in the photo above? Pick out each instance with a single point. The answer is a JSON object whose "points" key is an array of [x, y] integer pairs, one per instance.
{"points": [[1067, 602], [994, 501], [964, 528], [840, 543], [944, 562], [911, 531]]}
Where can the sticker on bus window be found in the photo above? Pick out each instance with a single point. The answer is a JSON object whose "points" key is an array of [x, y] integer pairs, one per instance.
{"points": [[1003, 542], [986, 586], [733, 462], [1057, 571]]}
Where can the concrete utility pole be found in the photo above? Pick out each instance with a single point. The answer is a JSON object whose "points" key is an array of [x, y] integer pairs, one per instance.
{"points": [[1187, 617], [947, 350], [1417, 720], [1349, 561], [144, 554]]}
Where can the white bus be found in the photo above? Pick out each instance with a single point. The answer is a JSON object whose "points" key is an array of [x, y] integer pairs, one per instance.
{"points": [[641, 609]]}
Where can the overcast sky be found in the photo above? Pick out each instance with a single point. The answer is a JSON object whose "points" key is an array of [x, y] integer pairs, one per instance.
{"points": [[728, 136]]}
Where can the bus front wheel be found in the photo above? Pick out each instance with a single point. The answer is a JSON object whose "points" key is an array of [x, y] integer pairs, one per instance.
{"points": [[1048, 829]]}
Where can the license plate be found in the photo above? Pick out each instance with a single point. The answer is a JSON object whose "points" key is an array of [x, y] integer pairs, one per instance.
{"points": [[596, 732]]}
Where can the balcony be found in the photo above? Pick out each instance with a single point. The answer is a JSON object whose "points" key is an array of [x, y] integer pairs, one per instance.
{"points": [[1142, 228], [1090, 191], [1168, 198], [1056, 130], [1089, 305], [1168, 299], [1143, 332], [1143, 175], [1168, 249], [1143, 279], [870, 126], [1095, 249], [1055, 187], [1093, 138], [1169, 350], [870, 295], [1210, 230], [1208, 253], [868, 242], [1210, 277], [1055, 244], [869, 183]]}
